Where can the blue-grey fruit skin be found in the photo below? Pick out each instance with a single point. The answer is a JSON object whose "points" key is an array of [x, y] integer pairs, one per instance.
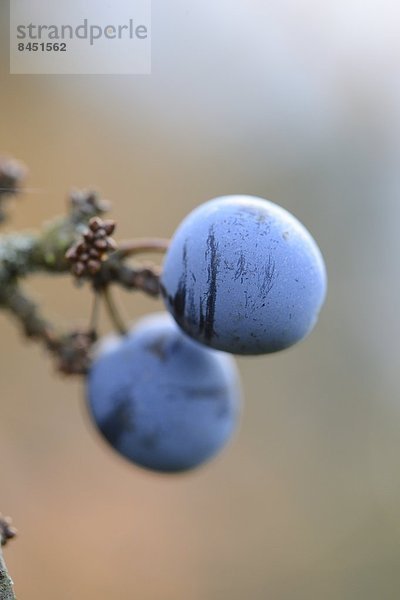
{"points": [[243, 275], [161, 400]]}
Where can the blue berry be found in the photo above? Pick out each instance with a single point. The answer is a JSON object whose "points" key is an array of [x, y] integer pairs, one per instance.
{"points": [[161, 400], [243, 275]]}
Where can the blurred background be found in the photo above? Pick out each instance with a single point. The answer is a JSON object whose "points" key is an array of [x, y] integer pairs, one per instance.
{"points": [[295, 101]]}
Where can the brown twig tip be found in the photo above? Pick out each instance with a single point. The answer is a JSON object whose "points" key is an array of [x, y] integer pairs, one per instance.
{"points": [[74, 352], [12, 173], [88, 202], [7, 531], [87, 255]]}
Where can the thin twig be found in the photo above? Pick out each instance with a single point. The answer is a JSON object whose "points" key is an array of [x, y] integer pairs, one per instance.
{"points": [[141, 245], [144, 277], [113, 311], [94, 317], [72, 350], [26, 253]]}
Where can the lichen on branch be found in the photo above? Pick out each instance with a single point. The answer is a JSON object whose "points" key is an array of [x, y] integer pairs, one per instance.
{"points": [[7, 532], [79, 242]]}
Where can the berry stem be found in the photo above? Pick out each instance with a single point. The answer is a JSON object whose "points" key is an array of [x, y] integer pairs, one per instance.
{"points": [[113, 311], [94, 317], [142, 245]]}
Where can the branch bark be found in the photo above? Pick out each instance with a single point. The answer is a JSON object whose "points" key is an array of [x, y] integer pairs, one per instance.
{"points": [[6, 584], [24, 254]]}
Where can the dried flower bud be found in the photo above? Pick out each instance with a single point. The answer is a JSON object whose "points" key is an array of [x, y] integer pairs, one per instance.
{"points": [[111, 244], [88, 236], [109, 226], [101, 244], [95, 223], [79, 268], [93, 266], [80, 247], [71, 253], [100, 234]]}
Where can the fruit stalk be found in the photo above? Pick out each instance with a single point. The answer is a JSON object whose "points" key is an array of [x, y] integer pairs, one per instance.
{"points": [[140, 245], [113, 311]]}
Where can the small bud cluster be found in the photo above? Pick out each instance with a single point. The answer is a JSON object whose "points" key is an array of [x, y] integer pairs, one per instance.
{"points": [[74, 352], [7, 531], [11, 175], [87, 255], [87, 203]]}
